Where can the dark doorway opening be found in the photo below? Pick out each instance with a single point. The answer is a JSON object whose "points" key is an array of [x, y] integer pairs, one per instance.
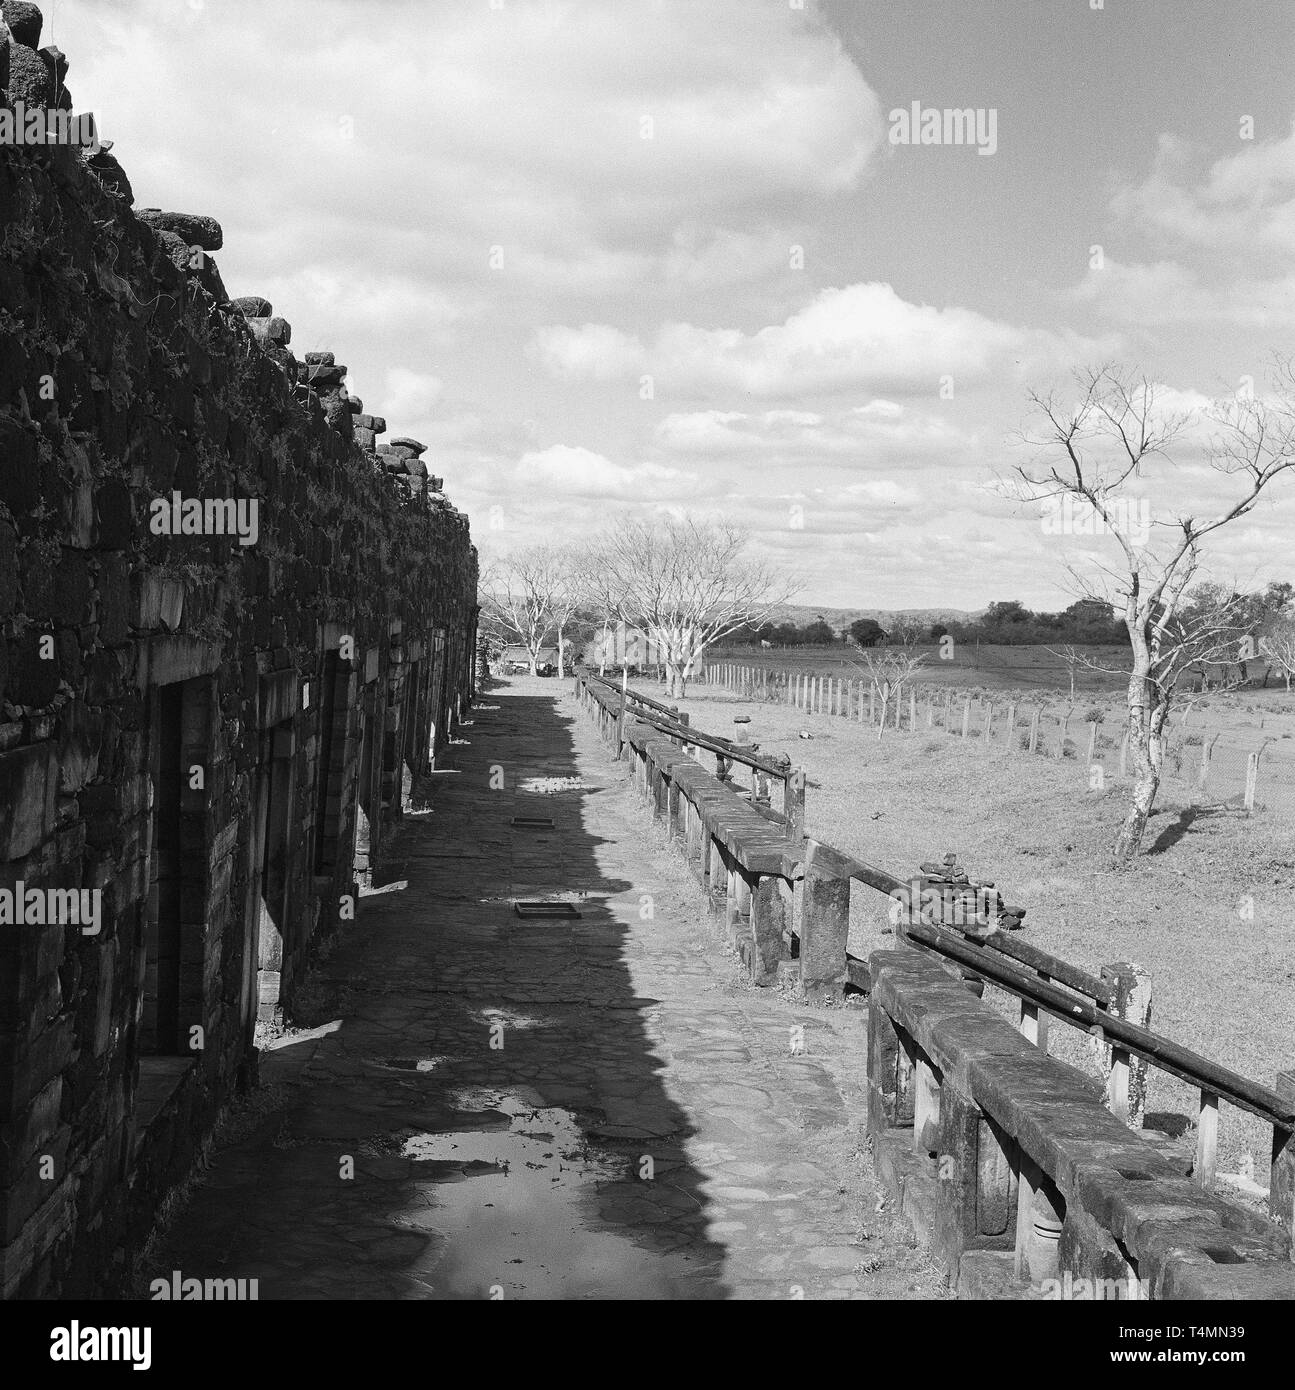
{"points": [[270, 849], [178, 870]]}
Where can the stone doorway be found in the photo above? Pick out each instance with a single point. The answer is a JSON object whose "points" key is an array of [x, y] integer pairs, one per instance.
{"points": [[178, 868], [270, 848]]}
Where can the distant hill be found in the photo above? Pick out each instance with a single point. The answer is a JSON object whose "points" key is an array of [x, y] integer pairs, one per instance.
{"points": [[841, 618]]}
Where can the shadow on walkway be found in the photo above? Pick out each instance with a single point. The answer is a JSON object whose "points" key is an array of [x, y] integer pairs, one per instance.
{"points": [[483, 1114]]}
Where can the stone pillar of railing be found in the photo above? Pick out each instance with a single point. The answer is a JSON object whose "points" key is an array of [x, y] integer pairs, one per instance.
{"points": [[821, 918], [1281, 1189], [1038, 1224], [890, 1103], [767, 924], [1126, 1075], [793, 803]]}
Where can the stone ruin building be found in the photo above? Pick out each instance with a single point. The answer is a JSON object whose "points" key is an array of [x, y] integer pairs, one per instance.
{"points": [[234, 627]]}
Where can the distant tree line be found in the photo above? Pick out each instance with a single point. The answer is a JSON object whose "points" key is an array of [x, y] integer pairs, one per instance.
{"points": [[1009, 623], [1086, 623]]}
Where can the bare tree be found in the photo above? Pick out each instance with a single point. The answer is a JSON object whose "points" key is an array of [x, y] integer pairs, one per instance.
{"points": [[531, 596], [1278, 644], [494, 633], [1073, 659], [595, 588], [904, 631], [568, 597], [1088, 454], [889, 670], [686, 583]]}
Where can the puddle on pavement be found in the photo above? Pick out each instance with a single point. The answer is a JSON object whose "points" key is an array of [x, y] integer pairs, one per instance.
{"points": [[518, 1210], [550, 786]]}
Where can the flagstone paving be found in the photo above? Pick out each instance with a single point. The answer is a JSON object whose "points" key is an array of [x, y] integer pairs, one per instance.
{"points": [[593, 1107]]}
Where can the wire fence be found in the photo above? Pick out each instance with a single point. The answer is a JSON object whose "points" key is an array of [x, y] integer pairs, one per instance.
{"points": [[1205, 765]]}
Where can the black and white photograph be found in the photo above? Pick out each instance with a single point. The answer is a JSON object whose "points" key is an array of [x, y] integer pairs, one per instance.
{"points": [[646, 655]]}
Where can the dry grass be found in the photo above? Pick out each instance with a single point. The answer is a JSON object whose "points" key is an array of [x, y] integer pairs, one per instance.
{"points": [[1206, 909]]}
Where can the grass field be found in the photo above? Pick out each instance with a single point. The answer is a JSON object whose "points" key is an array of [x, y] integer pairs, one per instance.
{"points": [[1233, 723], [1207, 909]]}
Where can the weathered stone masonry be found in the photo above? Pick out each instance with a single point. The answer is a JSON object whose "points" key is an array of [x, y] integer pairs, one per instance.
{"points": [[211, 734]]}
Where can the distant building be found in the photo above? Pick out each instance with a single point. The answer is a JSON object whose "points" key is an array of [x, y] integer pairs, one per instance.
{"points": [[519, 656]]}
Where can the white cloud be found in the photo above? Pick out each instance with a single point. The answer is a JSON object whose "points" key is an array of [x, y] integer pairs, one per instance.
{"points": [[594, 352], [1157, 293], [860, 338], [411, 393], [1242, 206], [579, 472], [881, 434], [599, 145], [1231, 228]]}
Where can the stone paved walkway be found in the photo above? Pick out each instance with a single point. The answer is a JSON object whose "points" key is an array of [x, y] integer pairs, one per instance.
{"points": [[586, 1108]]}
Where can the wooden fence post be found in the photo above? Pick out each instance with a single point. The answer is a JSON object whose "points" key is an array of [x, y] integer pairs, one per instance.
{"points": [[912, 711], [1034, 731], [966, 715], [872, 704], [930, 711], [1252, 776], [1011, 726], [989, 723], [1092, 741], [1207, 752], [1064, 725]]}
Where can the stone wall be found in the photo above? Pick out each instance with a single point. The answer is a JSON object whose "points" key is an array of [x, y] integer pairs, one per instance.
{"points": [[233, 629]]}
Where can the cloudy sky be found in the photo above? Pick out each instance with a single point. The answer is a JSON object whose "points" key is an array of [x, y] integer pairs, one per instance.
{"points": [[609, 255]]}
